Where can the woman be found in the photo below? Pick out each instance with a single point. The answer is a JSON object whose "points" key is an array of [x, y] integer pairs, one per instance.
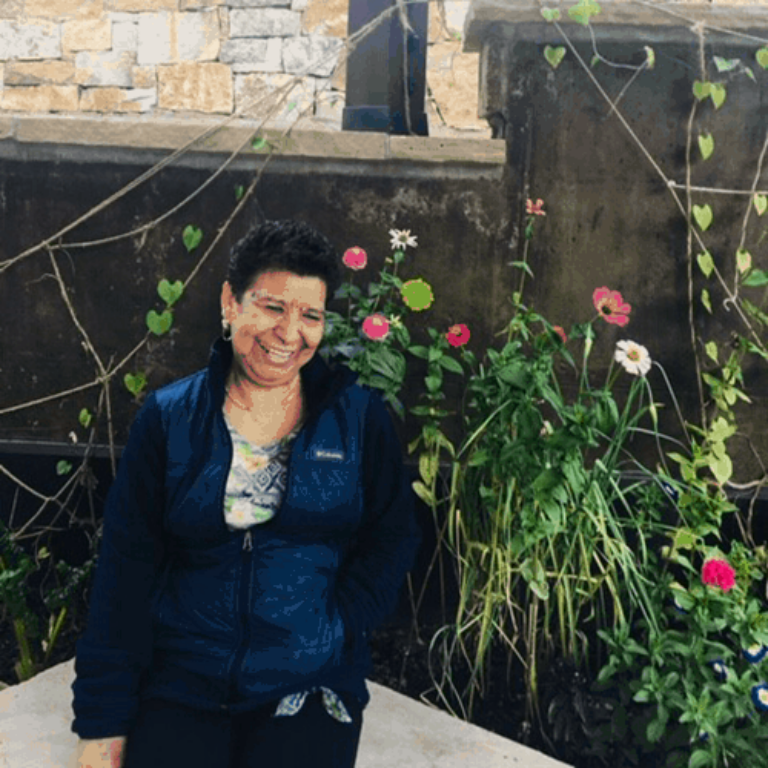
{"points": [[260, 525]]}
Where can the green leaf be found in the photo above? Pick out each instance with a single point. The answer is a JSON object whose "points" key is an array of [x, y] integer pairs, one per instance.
{"points": [[655, 730], [523, 265], [554, 55], [643, 696], [595, 61], [700, 759], [170, 293], [192, 237], [705, 261], [134, 384], [722, 468], [454, 366], [703, 216], [291, 106], [717, 93], [551, 14], [583, 11], [63, 467], [85, 418], [159, 324], [756, 278], [750, 74], [706, 145], [725, 65], [743, 260], [650, 57], [239, 192], [762, 57], [259, 143], [701, 90], [761, 204], [705, 300], [711, 350]]}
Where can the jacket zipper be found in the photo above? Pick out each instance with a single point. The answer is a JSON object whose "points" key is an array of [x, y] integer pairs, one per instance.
{"points": [[245, 601]]}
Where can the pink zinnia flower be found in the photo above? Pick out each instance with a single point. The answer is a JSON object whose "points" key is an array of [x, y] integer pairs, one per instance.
{"points": [[611, 306], [355, 258], [718, 573], [458, 335], [535, 208], [376, 327]]}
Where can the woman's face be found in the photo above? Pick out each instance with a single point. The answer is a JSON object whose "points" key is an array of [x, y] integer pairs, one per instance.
{"points": [[280, 312]]}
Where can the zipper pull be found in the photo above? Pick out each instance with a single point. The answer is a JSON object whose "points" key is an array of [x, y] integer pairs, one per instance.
{"points": [[247, 544]]}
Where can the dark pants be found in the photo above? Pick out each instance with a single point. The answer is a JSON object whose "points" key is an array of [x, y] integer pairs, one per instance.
{"points": [[171, 734]]}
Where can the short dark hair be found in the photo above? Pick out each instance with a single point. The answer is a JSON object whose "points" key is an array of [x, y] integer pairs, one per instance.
{"points": [[284, 246]]}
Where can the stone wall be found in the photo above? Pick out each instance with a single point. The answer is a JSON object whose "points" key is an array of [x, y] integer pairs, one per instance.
{"points": [[216, 57]]}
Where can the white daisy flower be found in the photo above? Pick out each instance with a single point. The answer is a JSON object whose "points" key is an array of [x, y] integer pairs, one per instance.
{"points": [[402, 238], [634, 357]]}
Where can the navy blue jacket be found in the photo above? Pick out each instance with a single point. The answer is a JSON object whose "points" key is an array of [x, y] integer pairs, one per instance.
{"points": [[185, 609]]}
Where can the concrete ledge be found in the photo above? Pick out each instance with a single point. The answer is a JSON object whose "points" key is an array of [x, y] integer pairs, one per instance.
{"points": [[36, 719], [171, 134]]}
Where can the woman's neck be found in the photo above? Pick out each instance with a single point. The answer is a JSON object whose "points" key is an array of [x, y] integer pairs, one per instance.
{"points": [[248, 395]]}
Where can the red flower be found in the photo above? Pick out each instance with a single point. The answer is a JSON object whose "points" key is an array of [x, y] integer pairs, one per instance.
{"points": [[376, 327], [718, 573], [611, 306], [458, 335], [355, 258], [535, 208], [560, 332]]}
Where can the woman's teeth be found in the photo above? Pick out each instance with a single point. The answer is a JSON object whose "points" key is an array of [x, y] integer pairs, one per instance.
{"points": [[279, 357]]}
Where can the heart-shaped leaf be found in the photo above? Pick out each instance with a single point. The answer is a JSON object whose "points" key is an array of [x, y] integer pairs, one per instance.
{"points": [[705, 300], [259, 143], [711, 349], [743, 260], [239, 192], [134, 384], [706, 145], [756, 278], [717, 93], [725, 65], [703, 216], [159, 324], [554, 55], [762, 57], [192, 237], [551, 14], [583, 11], [85, 418], [701, 90], [170, 293], [706, 263], [63, 467], [761, 204]]}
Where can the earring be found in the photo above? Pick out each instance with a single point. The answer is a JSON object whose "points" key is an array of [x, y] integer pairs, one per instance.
{"points": [[226, 330]]}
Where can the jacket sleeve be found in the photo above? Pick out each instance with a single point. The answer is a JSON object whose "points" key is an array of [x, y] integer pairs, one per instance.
{"points": [[386, 544], [116, 647]]}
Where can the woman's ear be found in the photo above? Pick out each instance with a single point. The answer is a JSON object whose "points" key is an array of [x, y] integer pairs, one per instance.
{"points": [[227, 299]]}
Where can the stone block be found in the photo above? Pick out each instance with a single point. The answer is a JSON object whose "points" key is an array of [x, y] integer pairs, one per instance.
{"points": [[41, 98], [144, 77], [450, 24], [125, 36], [299, 5], [326, 17], [140, 6], [255, 98], [198, 87], [111, 100], [11, 9], [107, 68], [311, 55], [453, 77], [224, 22], [39, 73], [264, 22], [19, 40], [89, 35], [194, 5], [258, 3], [63, 9], [172, 38], [257, 54]]}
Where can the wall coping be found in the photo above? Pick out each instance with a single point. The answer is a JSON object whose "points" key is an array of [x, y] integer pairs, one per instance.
{"points": [[174, 133], [491, 17]]}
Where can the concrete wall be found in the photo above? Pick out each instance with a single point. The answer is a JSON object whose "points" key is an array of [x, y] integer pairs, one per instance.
{"points": [[181, 58]]}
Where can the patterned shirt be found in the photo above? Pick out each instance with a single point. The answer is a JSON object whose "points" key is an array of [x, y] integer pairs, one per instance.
{"points": [[255, 487]]}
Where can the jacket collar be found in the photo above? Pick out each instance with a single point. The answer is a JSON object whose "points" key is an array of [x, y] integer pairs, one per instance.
{"points": [[320, 381]]}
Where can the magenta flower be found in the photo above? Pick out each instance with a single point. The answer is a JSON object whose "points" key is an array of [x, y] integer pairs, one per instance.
{"points": [[458, 335], [355, 258], [376, 327], [611, 306], [535, 209], [719, 573]]}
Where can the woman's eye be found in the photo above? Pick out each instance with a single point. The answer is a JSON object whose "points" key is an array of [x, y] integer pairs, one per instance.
{"points": [[310, 317]]}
